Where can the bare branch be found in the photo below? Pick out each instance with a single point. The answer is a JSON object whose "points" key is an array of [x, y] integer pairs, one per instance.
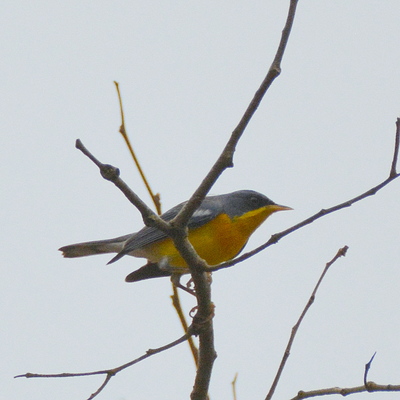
{"points": [[122, 130], [225, 160], [113, 371], [203, 292], [102, 386], [322, 213], [176, 228], [157, 203], [178, 308], [234, 386], [367, 367], [202, 322], [111, 174], [393, 172], [374, 387], [341, 253]]}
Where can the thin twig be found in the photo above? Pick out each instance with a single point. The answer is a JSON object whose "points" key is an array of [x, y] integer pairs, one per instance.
{"points": [[393, 172], [278, 236], [111, 174], [122, 130], [225, 160], [178, 308], [234, 386], [101, 387], [367, 367], [322, 213], [157, 204], [113, 371], [341, 253], [373, 387]]}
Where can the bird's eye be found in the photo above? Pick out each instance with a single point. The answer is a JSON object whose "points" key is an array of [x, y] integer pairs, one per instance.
{"points": [[254, 201]]}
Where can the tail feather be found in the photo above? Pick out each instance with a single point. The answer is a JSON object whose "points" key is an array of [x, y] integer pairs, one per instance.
{"points": [[150, 270], [114, 245]]}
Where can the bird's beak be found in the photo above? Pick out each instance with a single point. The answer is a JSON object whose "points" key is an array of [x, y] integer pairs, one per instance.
{"points": [[277, 207]]}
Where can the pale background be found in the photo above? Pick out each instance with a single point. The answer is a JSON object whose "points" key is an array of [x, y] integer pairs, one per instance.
{"points": [[187, 70]]}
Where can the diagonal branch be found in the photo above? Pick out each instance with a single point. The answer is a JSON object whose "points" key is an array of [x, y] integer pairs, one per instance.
{"points": [[122, 130], [111, 174], [322, 213], [109, 373], [341, 253], [225, 160]]}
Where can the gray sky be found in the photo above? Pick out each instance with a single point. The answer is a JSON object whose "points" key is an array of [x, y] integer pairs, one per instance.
{"points": [[187, 70]]}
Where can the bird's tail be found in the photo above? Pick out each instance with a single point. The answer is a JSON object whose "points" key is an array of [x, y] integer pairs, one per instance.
{"points": [[150, 270], [96, 247]]}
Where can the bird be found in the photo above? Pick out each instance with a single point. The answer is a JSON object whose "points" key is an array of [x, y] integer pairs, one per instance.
{"points": [[218, 230]]}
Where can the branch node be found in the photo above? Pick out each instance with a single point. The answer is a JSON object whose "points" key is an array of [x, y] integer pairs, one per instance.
{"points": [[300, 394], [202, 323], [342, 252], [274, 238], [228, 159], [109, 172], [345, 392], [275, 70]]}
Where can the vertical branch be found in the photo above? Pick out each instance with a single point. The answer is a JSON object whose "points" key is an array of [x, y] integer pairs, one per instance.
{"points": [[367, 367], [393, 172], [202, 323], [234, 386], [178, 308]]}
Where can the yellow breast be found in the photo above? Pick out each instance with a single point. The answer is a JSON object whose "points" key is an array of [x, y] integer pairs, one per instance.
{"points": [[217, 241]]}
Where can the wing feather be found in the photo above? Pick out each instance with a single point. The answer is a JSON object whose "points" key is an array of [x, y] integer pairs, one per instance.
{"points": [[207, 211]]}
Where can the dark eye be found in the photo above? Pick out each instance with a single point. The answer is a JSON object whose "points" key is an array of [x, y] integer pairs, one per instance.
{"points": [[255, 201]]}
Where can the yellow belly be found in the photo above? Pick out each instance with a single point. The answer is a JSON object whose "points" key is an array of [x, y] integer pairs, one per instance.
{"points": [[217, 241]]}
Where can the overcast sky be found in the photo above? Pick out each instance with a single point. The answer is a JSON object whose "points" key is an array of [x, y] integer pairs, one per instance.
{"points": [[187, 71]]}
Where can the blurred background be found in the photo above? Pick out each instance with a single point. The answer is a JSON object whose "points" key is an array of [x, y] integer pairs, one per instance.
{"points": [[187, 70]]}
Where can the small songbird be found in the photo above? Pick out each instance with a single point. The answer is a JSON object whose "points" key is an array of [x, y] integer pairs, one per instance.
{"points": [[218, 231]]}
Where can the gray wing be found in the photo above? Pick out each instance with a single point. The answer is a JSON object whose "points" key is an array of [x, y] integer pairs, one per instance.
{"points": [[208, 210]]}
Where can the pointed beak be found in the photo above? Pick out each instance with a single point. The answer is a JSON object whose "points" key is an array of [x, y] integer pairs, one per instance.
{"points": [[277, 207]]}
